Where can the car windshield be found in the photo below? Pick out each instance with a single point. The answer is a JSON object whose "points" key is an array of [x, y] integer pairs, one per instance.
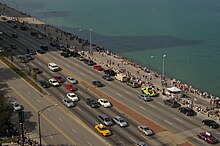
{"points": [[72, 95], [16, 104], [103, 128], [121, 120], [105, 101], [107, 119], [68, 101]]}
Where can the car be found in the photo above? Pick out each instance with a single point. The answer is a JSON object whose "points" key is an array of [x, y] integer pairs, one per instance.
{"points": [[37, 70], [92, 102], [89, 62], [44, 47], [59, 79], [71, 80], [107, 78], [145, 97], [32, 52], [15, 26], [53, 67], [102, 129], [208, 137], [14, 35], [53, 44], [97, 84], [23, 27], [187, 111], [172, 103], [44, 84], [54, 82], [65, 54], [104, 119], [98, 67], [74, 53], [72, 96], [104, 102], [70, 87], [9, 21], [110, 72], [133, 84], [67, 102], [81, 58], [145, 130], [4, 18], [120, 121], [23, 59], [149, 91], [210, 123], [33, 33], [16, 106], [142, 144], [39, 36], [61, 47], [40, 51], [29, 57], [13, 46]]}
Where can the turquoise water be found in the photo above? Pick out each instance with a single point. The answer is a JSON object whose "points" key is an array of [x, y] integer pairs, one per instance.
{"points": [[186, 31]]}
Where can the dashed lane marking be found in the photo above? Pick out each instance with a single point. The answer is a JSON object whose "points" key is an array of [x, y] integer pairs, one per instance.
{"points": [[68, 65], [60, 119], [128, 92], [38, 100], [74, 130], [141, 107], [133, 139], [75, 64], [83, 74], [51, 136], [118, 94], [168, 122], [78, 109], [152, 105], [178, 120], [91, 72], [88, 142]]}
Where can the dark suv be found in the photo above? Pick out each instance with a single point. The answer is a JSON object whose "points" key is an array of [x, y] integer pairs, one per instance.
{"points": [[187, 111], [172, 103], [210, 123]]}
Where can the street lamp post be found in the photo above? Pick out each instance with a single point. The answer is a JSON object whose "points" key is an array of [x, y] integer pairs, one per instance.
{"points": [[39, 112], [163, 66], [163, 82], [90, 40]]}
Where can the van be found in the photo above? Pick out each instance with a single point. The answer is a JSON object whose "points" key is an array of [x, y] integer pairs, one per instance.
{"points": [[104, 119], [133, 84], [121, 77]]}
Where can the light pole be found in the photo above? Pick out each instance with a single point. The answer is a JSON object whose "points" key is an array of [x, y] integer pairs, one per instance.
{"points": [[39, 112], [90, 40], [163, 82], [164, 56]]}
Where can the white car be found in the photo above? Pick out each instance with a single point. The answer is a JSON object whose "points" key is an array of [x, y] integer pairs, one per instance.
{"points": [[104, 102], [72, 96], [54, 82], [146, 130], [71, 80], [16, 106], [120, 121], [53, 67], [68, 102]]}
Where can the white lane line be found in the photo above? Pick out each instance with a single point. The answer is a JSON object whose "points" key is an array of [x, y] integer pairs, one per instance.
{"points": [[109, 82], [160, 103], [39, 63], [144, 137], [55, 58], [28, 93], [200, 139], [217, 132], [38, 100], [121, 142], [168, 122], [78, 109], [74, 130], [60, 119], [128, 92], [152, 105], [133, 139], [118, 94], [62, 95], [51, 136], [178, 120], [68, 65], [91, 72], [88, 142], [48, 109], [80, 92], [75, 64], [83, 74], [141, 107], [19, 85]]}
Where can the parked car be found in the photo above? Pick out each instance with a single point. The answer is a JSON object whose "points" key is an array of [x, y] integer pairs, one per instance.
{"points": [[37, 70], [53, 67], [187, 111], [107, 78], [23, 59], [210, 123], [54, 82], [142, 144], [32, 52], [59, 79], [53, 44], [172, 103], [120, 121], [97, 84], [40, 51], [29, 56], [110, 72], [81, 58], [13, 46], [65, 54], [70, 87], [145, 130], [208, 137], [104, 102], [93, 103], [102, 130], [133, 84], [23, 27], [98, 67], [104, 119], [44, 47], [67, 102], [72, 96], [89, 62], [44, 84], [15, 26], [145, 97], [71, 80], [14, 35], [16, 106], [39, 36]]}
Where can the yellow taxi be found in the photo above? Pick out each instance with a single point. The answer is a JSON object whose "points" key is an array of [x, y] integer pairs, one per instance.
{"points": [[149, 91], [102, 129]]}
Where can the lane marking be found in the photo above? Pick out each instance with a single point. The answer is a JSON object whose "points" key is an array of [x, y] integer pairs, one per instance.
{"points": [[83, 74], [60, 119], [68, 65], [118, 94], [39, 63], [38, 100], [144, 137], [74, 130], [62, 95], [48, 109], [51, 136], [200, 139], [160, 103], [141, 107], [75, 64], [19, 85], [78, 109], [109, 82], [88, 142], [122, 142], [80, 92], [128, 92], [133, 139], [178, 120], [152, 105], [28, 93], [91, 72], [168, 122]]}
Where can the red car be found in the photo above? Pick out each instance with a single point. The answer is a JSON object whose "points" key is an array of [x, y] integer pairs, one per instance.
{"points": [[98, 67], [208, 137], [59, 79], [71, 87]]}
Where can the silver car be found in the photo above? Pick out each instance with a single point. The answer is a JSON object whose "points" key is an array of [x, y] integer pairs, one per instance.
{"points": [[146, 130], [68, 102], [72, 80], [120, 121], [145, 97], [16, 106]]}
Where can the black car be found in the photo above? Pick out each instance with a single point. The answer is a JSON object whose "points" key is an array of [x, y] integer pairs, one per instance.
{"points": [[23, 59], [210, 123], [33, 33], [40, 51], [187, 111], [172, 103], [23, 27], [14, 35], [44, 47], [97, 84], [53, 44], [92, 103], [107, 78], [89, 62], [81, 58], [15, 26], [75, 54], [110, 72], [13, 46], [32, 52], [44, 83], [65, 54]]}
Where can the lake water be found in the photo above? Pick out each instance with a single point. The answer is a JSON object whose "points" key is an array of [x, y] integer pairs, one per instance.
{"points": [[187, 32]]}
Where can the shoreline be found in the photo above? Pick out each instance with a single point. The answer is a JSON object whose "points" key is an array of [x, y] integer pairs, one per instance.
{"points": [[142, 70]]}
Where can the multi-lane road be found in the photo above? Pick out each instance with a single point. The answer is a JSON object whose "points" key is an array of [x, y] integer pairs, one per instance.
{"points": [[171, 119]]}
